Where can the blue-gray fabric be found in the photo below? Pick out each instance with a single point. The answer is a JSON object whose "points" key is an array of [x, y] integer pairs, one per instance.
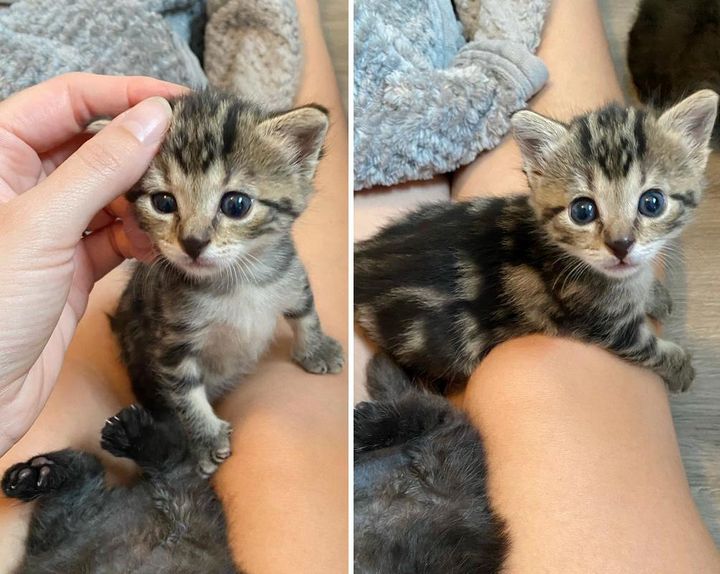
{"points": [[250, 47], [435, 84]]}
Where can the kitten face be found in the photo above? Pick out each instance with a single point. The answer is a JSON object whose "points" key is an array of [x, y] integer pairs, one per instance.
{"points": [[227, 181], [612, 187]]}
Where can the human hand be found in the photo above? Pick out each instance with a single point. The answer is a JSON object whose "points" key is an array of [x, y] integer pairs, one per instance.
{"points": [[56, 182]]}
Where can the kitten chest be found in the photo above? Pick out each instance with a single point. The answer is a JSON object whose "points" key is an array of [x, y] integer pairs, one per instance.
{"points": [[237, 329]]}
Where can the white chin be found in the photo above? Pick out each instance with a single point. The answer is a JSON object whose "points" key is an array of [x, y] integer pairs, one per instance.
{"points": [[197, 269], [619, 270]]}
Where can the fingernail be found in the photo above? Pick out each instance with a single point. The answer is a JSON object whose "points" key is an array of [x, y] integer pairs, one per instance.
{"points": [[148, 121]]}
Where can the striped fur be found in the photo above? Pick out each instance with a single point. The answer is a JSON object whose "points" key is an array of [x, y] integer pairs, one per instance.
{"points": [[444, 285], [190, 329]]}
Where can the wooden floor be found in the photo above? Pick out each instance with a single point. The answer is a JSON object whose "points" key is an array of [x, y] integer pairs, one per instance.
{"points": [[696, 320]]}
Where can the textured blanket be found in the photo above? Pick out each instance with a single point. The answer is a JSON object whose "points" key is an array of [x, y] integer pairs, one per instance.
{"points": [[249, 47], [435, 84]]}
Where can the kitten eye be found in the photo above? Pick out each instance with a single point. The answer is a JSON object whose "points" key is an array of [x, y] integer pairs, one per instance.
{"points": [[235, 204], [652, 203], [583, 211], [164, 202]]}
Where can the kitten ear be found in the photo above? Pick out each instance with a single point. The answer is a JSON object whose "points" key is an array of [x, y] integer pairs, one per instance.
{"points": [[693, 118], [303, 130], [537, 136]]}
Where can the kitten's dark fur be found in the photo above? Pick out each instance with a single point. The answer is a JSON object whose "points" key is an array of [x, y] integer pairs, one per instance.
{"points": [[198, 319], [674, 49], [440, 288], [420, 495], [169, 522]]}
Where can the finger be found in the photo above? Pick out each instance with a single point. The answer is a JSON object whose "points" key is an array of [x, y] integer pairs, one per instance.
{"points": [[102, 219], [141, 242], [48, 114], [106, 249], [110, 246], [100, 171], [116, 209], [53, 158]]}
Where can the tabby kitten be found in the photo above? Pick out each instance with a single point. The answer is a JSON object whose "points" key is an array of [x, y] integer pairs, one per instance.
{"points": [[169, 522], [441, 287], [218, 203], [421, 504]]}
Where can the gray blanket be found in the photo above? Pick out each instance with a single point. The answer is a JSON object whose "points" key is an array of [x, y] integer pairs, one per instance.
{"points": [[249, 47], [433, 89]]}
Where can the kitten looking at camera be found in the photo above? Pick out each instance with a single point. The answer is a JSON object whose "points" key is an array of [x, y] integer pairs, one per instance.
{"points": [[218, 202], [440, 288]]}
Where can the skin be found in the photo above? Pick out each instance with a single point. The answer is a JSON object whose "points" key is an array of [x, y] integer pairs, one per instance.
{"points": [[566, 461], [53, 186], [289, 442]]}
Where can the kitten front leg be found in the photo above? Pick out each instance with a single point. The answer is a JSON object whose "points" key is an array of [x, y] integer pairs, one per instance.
{"points": [[674, 365], [209, 434], [669, 360], [155, 446], [315, 351], [659, 303]]}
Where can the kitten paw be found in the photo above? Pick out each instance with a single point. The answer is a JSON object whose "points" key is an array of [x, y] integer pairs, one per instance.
{"points": [[324, 357], [214, 451], [28, 480], [682, 378], [660, 310], [123, 433]]}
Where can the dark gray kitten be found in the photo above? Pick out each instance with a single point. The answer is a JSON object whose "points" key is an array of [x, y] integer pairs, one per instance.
{"points": [[674, 49], [169, 522], [219, 201], [440, 288], [421, 505]]}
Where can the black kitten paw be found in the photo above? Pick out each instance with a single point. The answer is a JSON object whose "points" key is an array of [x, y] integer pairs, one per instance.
{"points": [[28, 480], [124, 433]]}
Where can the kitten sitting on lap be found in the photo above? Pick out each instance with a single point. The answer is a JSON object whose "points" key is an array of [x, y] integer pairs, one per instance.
{"points": [[440, 288], [218, 202], [169, 522]]}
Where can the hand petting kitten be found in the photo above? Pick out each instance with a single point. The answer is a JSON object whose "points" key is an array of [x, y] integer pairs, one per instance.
{"points": [[56, 182]]}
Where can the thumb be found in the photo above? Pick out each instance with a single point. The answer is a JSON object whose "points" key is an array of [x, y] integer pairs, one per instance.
{"points": [[103, 168]]}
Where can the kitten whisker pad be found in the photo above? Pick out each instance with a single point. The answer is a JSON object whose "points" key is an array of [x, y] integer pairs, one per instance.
{"points": [[609, 190]]}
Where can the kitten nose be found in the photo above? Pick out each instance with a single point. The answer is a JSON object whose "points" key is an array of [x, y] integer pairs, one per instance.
{"points": [[193, 246], [621, 247]]}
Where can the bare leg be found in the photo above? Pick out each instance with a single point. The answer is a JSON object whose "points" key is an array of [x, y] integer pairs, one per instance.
{"points": [[582, 452], [285, 487], [588, 475], [584, 462]]}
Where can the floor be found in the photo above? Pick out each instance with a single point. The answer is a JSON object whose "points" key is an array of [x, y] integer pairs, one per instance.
{"points": [[697, 316]]}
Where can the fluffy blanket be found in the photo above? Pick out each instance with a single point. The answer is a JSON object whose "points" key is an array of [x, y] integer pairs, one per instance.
{"points": [[249, 47], [436, 83]]}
